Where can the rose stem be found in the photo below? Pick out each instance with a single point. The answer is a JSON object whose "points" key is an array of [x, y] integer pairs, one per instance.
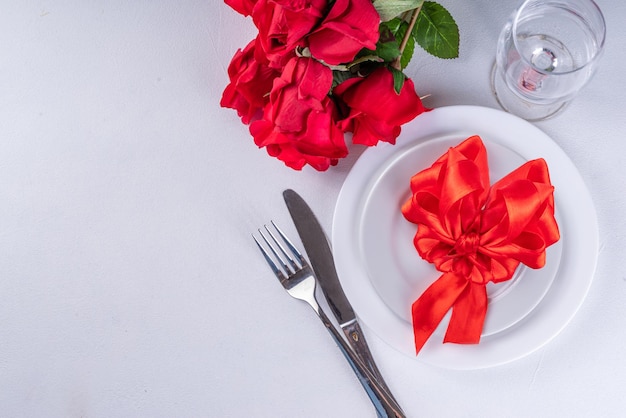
{"points": [[396, 64]]}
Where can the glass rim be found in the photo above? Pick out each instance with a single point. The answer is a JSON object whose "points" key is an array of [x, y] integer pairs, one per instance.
{"points": [[592, 59]]}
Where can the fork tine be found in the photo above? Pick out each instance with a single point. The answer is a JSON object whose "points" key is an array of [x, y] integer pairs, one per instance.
{"points": [[293, 266], [277, 271], [272, 246], [292, 247]]}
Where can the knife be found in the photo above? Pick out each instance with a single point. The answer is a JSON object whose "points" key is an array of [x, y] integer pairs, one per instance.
{"points": [[321, 258]]}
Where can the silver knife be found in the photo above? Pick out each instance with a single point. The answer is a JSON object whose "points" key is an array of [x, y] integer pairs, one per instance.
{"points": [[320, 255]]}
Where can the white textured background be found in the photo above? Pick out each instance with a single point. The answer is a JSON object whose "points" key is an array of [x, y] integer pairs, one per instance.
{"points": [[129, 284]]}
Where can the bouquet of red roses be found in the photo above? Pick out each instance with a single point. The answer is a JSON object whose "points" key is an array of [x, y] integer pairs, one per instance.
{"points": [[321, 68]]}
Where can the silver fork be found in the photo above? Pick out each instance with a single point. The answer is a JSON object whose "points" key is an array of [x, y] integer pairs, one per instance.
{"points": [[296, 276]]}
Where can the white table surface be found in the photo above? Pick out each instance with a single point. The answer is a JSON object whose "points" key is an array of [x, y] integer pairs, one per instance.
{"points": [[129, 282]]}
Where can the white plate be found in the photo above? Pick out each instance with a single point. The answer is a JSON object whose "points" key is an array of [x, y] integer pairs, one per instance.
{"points": [[382, 274]]}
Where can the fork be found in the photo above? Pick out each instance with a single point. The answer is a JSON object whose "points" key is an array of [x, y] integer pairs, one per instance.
{"points": [[295, 274]]}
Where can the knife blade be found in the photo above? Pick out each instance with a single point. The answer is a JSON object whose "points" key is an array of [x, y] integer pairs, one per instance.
{"points": [[320, 254]]}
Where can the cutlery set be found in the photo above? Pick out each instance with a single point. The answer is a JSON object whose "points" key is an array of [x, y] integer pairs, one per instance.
{"points": [[300, 279]]}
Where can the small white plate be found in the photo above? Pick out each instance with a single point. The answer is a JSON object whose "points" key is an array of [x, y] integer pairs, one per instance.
{"points": [[382, 274]]}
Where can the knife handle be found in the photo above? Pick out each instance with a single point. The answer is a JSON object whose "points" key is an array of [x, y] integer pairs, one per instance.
{"points": [[386, 406], [352, 330]]}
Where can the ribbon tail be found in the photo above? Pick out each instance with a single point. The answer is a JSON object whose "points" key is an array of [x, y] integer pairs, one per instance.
{"points": [[468, 316], [430, 308]]}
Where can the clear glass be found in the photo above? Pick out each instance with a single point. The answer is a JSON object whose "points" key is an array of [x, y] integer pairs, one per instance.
{"points": [[547, 51]]}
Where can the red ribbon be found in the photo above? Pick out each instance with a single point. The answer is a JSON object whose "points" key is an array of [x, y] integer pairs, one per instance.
{"points": [[475, 234]]}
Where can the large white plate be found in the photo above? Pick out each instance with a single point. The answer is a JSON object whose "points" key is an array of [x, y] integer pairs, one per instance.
{"points": [[382, 274]]}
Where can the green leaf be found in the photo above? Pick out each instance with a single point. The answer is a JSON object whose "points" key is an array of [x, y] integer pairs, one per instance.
{"points": [[392, 25], [388, 9], [407, 54], [409, 48], [388, 51], [339, 77], [391, 34], [398, 79], [436, 31], [387, 47]]}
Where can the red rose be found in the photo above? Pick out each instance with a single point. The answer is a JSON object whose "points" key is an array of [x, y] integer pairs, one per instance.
{"points": [[350, 26], [282, 26], [376, 110], [298, 125], [242, 6], [250, 84]]}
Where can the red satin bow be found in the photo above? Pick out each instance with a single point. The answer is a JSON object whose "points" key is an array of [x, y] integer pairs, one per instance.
{"points": [[474, 234]]}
